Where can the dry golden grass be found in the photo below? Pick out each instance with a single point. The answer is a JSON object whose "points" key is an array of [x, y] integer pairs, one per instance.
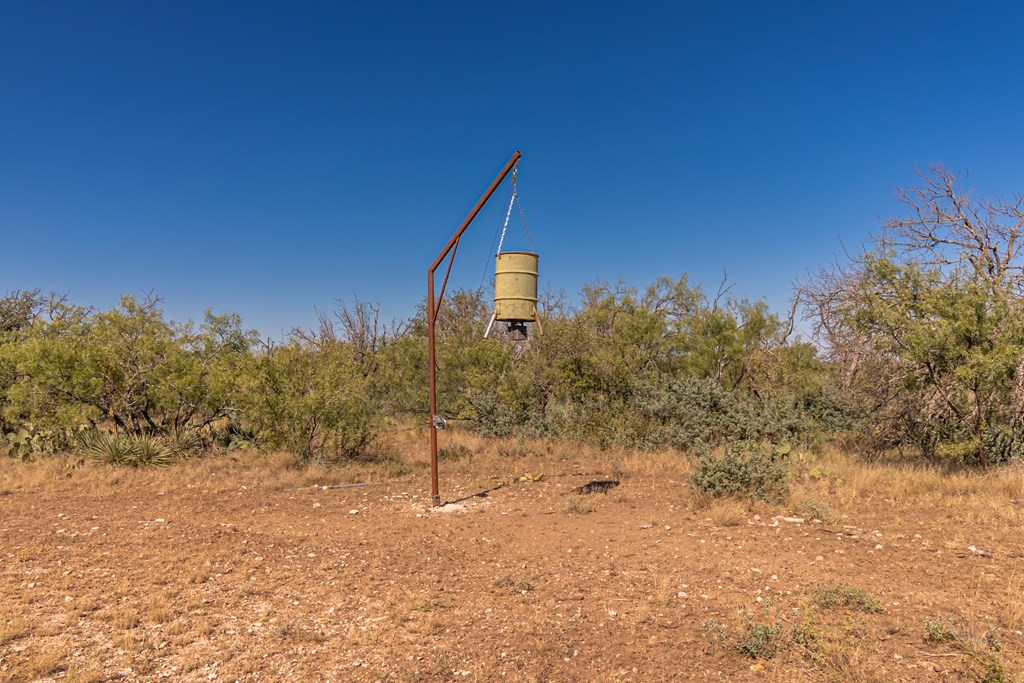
{"points": [[261, 542], [14, 628], [83, 673], [1012, 607], [579, 505], [726, 512], [42, 663]]}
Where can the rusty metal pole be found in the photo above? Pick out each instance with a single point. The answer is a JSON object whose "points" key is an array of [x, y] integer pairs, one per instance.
{"points": [[433, 308]]}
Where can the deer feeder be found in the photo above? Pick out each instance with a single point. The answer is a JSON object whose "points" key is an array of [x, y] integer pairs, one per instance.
{"points": [[515, 291]]}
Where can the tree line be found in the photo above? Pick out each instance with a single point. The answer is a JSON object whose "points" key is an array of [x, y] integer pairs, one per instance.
{"points": [[917, 346]]}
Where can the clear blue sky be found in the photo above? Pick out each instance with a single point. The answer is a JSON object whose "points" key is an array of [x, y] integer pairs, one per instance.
{"points": [[267, 158]]}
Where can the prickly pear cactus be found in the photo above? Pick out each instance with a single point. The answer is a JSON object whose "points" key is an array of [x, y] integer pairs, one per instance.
{"points": [[29, 441], [19, 444]]}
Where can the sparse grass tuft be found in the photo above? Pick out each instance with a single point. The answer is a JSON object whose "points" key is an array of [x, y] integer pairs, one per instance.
{"points": [[13, 629], [1013, 605], [43, 663], [728, 512], [77, 673], [517, 584], [845, 595], [453, 452], [579, 505], [812, 509]]}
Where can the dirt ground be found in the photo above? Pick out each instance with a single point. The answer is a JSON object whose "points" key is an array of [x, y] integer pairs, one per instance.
{"points": [[239, 568]]}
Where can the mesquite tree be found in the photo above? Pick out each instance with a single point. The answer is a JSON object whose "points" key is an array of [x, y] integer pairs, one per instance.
{"points": [[925, 327]]}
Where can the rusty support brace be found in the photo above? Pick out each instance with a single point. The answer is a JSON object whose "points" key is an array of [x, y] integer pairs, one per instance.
{"points": [[434, 307]]}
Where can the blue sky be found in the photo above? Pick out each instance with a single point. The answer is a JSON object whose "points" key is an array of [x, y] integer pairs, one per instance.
{"points": [[269, 158]]}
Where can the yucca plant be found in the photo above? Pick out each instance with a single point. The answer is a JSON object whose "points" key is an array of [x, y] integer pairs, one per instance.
{"points": [[150, 451], [120, 449], [182, 442], [109, 448]]}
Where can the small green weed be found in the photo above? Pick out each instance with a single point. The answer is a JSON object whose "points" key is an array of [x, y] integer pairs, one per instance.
{"points": [[760, 639], [717, 634], [938, 630]]}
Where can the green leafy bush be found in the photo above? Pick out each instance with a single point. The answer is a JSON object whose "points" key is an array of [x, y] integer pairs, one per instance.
{"points": [[741, 470], [314, 402]]}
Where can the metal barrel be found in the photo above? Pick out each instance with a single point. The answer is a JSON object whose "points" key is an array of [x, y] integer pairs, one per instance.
{"points": [[515, 286]]}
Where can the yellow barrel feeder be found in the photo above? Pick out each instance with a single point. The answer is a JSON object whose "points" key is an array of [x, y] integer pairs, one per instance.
{"points": [[515, 280], [515, 290]]}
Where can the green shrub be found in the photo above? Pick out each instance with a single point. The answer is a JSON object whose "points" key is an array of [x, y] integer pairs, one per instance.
{"points": [[742, 470], [314, 402]]}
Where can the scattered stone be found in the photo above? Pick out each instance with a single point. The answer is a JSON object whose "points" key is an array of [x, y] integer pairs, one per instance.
{"points": [[353, 512], [979, 551], [451, 507]]}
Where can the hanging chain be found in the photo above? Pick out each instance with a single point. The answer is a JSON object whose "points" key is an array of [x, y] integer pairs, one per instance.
{"points": [[515, 199], [507, 215]]}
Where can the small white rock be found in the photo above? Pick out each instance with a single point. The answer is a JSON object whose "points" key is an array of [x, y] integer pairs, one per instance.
{"points": [[353, 512], [878, 547]]}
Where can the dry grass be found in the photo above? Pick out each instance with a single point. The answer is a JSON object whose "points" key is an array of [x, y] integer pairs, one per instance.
{"points": [[252, 560], [83, 673], [13, 629], [726, 512], [579, 505], [1012, 607], [42, 663]]}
